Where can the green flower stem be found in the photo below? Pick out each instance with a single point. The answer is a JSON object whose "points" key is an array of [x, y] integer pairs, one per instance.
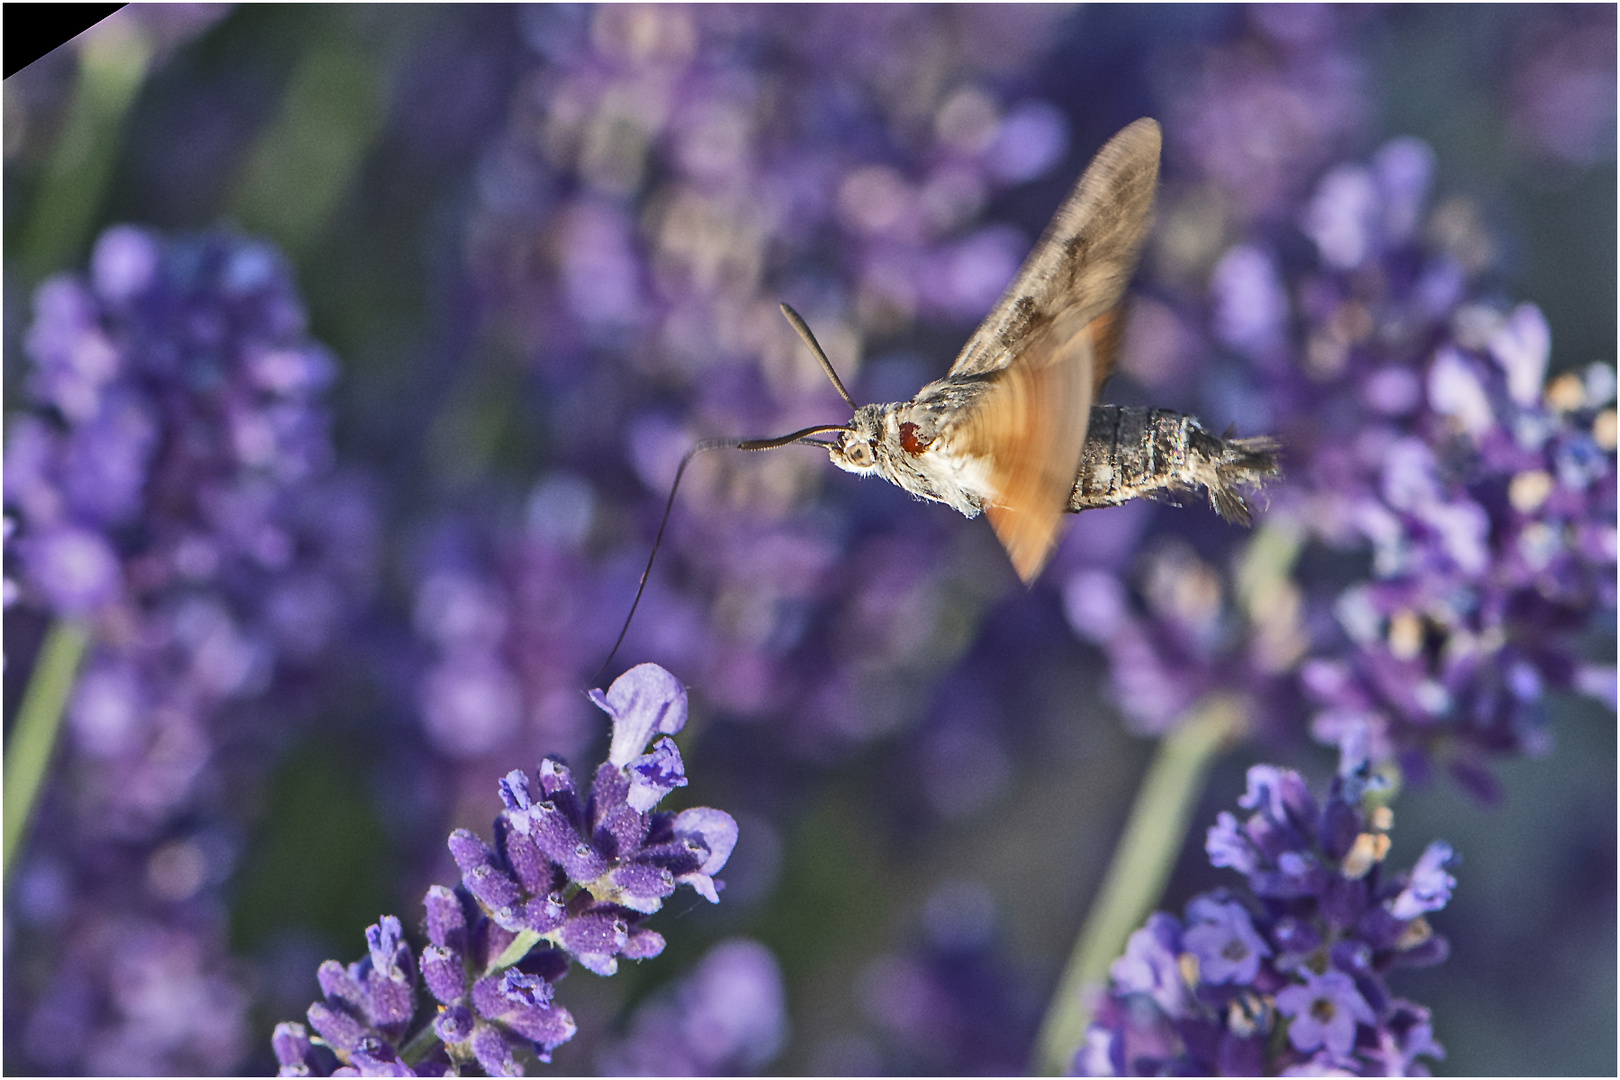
{"points": [[1147, 850], [307, 159], [113, 60], [526, 940], [28, 748], [422, 1044]]}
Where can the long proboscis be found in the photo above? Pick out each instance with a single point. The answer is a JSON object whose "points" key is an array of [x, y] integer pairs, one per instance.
{"points": [[801, 328], [669, 504]]}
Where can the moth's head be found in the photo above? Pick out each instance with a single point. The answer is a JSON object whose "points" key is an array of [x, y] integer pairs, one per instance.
{"points": [[856, 449]]}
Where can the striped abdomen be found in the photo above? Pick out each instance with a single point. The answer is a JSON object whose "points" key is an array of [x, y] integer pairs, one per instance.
{"points": [[1132, 452]]}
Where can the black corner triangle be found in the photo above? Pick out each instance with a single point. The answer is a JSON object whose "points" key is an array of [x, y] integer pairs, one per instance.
{"points": [[32, 30]]}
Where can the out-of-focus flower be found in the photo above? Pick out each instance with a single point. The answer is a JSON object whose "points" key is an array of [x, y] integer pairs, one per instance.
{"points": [[952, 1002], [570, 877], [727, 1018], [1304, 947], [1255, 118], [512, 623], [1484, 493], [172, 489], [1561, 89]]}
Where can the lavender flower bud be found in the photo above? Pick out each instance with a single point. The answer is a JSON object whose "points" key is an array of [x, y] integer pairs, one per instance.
{"points": [[493, 1053], [444, 974], [446, 921], [294, 1052]]}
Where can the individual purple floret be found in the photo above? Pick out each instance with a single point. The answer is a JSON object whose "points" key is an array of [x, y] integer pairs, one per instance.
{"points": [[1302, 949], [571, 876]]}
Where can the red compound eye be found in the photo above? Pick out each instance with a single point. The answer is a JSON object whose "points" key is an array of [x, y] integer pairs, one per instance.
{"points": [[910, 441]]}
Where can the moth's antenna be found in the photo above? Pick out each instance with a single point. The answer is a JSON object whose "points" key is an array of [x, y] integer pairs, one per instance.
{"points": [[796, 321], [702, 447]]}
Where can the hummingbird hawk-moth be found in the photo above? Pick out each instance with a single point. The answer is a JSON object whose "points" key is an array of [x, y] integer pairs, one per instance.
{"points": [[1013, 429]]}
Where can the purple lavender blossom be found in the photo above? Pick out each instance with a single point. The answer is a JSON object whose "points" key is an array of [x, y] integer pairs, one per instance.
{"points": [[1305, 945], [1484, 493], [1324, 1013], [727, 1018], [571, 877], [173, 491]]}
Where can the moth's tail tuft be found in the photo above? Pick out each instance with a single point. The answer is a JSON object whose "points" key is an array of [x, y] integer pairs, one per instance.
{"points": [[1233, 464]]}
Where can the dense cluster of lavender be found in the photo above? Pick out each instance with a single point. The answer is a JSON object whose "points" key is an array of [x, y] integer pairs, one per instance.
{"points": [[174, 489], [1302, 950], [571, 878], [173, 493]]}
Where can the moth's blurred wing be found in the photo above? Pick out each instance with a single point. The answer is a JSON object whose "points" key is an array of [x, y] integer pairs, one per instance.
{"points": [[1029, 426], [1106, 331], [1084, 260]]}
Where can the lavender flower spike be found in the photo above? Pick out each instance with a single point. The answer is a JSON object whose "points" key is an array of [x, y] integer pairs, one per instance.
{"points": [[570, 876], [1303, 948]]}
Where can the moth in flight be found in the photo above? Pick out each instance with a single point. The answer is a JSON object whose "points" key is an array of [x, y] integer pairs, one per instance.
{"points": [[1013, 429]]}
